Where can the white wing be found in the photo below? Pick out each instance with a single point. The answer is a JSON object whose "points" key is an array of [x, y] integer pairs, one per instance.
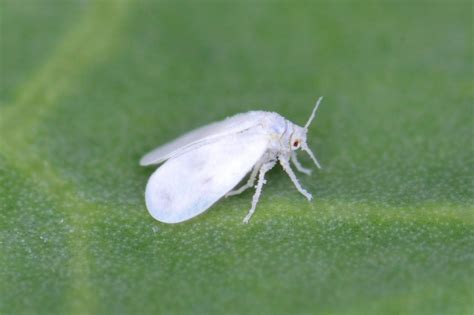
{"points": [[190, 183], [227, 126]]}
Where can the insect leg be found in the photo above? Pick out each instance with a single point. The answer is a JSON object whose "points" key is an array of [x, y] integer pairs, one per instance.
{"points": [[286, 166], [298, 165], [249, 184], [261, 181]]}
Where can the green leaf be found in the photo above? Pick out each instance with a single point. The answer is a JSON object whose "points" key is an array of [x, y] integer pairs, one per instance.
{"points": [[88, 87]]}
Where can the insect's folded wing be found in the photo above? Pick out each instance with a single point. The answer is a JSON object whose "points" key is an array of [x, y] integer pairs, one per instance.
{"points": [[188, 184], [228, 126], [161, 153]]}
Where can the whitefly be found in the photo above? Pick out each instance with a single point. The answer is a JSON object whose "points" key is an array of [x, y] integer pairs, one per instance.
{"points": [[206, 164]]}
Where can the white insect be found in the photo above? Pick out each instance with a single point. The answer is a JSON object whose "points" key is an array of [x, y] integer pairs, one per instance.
{"points": [[204, 165]]}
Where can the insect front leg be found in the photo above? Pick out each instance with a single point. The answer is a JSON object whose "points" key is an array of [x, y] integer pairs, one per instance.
{"points": [[298, 165], [286, 166], [250, 182], [261, 181]]}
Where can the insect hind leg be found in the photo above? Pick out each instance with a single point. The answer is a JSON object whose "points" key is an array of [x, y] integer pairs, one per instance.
{"points": [[261, 181], [249, 184]]}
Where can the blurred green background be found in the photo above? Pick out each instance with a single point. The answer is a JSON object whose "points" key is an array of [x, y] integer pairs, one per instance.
{"points": [[87, 87]]}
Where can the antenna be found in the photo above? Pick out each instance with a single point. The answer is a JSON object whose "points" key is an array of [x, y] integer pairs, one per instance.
{"points": [[311, 155], [313, 114]]}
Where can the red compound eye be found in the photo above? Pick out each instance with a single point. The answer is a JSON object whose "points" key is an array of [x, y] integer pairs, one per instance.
{"points": [[296, 143]]}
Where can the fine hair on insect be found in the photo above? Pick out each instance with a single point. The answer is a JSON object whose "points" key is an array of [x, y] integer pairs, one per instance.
{"points": [[206, 164]]}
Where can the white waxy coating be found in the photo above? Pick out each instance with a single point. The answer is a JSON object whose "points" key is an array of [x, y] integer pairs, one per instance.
{"points": [[205, 164], [189, 184], [231, 125]]}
